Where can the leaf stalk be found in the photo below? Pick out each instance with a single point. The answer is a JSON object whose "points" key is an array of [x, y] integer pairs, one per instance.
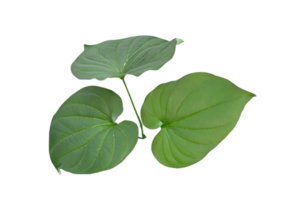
{"points": [[143, 135]]}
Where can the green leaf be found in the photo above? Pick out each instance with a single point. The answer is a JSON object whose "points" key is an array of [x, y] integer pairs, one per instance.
{"points": [[195, 114], [179, 41], [84, 137], [117, 58]]}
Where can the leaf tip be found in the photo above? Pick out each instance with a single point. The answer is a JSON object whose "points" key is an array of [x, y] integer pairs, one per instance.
{"points": [[179, 41]]}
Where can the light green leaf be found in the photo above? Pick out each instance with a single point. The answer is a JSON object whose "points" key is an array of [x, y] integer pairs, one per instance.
{"points": [[179, 41], [84, 137], [195, 114], [117, 58]]}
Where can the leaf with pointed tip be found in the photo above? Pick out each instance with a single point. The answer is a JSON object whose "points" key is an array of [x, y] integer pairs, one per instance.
{"points": [[84, 137], [195, 114], [179, 41], [117, 58]]}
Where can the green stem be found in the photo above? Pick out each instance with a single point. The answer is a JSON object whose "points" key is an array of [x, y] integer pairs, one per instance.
{"points": [[143, 135]]}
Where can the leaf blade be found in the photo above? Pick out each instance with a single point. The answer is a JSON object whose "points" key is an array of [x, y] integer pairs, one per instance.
{"points": [[195, 114], [117, 58], [83, 137]]}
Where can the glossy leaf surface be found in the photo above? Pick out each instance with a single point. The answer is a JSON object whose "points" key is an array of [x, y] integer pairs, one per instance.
{"points": [[117, 58], [195, 114], [84, 137]]}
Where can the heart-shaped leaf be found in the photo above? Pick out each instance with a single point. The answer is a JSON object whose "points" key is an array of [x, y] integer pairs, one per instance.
{"points": [[84, 137], [117, 58], [195, 114]]}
